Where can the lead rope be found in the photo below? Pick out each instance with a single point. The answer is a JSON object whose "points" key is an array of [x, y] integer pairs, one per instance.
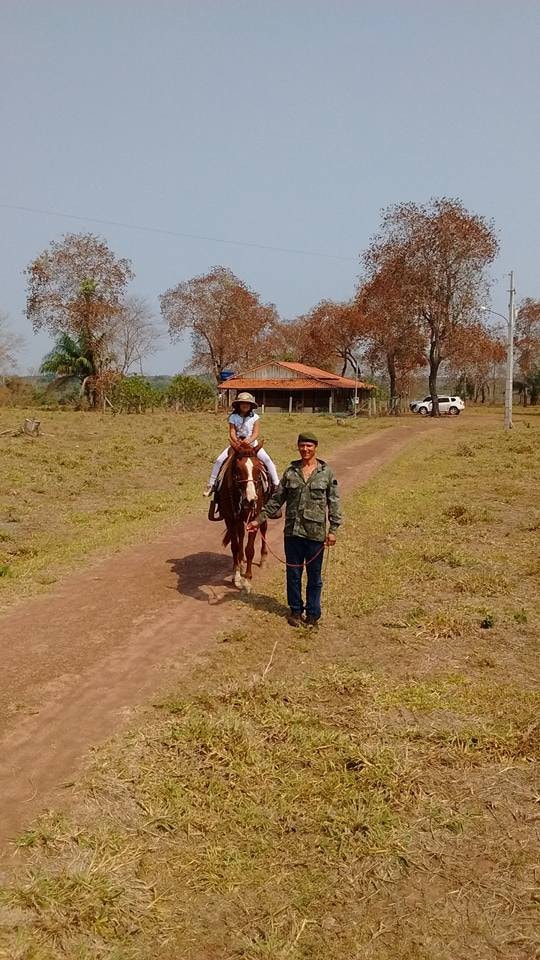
{"points": [[294, 565], [297, 566], [326, 582]]}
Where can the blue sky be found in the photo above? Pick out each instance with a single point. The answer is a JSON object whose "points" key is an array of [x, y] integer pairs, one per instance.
{"points": [[287, 124]]}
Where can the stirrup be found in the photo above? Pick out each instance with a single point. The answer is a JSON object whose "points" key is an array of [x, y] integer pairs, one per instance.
{"points": [[213, 512]]}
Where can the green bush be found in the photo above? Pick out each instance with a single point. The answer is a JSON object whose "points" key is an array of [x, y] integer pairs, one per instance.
{"points": [[189, 393], [135, 394]]}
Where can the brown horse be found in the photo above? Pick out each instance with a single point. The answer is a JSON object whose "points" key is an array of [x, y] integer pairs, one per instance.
{"points": [[241, 497]]}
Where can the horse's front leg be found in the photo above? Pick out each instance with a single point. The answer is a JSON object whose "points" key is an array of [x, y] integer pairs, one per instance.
{"points": [[250, 553], [239, 555], [237, 570], [264, 549]]}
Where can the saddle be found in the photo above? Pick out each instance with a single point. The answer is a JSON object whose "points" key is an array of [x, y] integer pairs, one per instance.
{"points": [[214, 512]]}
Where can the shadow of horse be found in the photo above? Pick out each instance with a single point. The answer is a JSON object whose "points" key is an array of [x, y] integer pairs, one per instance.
{"points": [[200, 570], [200, 573]]}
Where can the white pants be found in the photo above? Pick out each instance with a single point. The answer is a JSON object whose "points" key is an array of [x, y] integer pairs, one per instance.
{"points": [[262, 455]]}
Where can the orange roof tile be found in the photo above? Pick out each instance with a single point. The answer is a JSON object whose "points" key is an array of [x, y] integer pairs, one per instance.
{"points": [[299, 383], [315, 372], [312, 378]]}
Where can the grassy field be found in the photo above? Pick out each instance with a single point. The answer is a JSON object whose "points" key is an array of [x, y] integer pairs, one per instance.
{"points": [[366, 793], [93, 483]]}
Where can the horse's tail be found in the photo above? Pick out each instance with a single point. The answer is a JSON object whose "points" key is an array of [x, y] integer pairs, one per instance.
{"points": [[226, 539]]}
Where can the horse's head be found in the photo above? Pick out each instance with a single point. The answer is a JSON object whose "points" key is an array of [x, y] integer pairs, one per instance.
{"points": [[247, 475]]}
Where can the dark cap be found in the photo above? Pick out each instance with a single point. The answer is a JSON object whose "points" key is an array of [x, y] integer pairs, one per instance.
{"points": [[308, 438]]}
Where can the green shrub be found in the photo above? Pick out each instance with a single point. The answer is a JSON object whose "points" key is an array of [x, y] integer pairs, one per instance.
{"points": [[135, 394], [189, 393]]}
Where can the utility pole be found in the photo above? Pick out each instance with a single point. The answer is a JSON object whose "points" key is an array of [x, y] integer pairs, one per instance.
{"points": [[355, 386], [508, 395]]}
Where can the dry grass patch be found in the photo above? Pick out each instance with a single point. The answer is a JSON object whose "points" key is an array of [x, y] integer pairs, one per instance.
{"points": [[368, 793], [94, 483]]}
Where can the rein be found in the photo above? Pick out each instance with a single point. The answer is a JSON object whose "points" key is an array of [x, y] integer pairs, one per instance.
{"points": [[286, 563], [297, 566]]}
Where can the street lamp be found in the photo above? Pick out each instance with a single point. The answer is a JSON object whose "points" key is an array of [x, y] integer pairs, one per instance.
{"points": [[509, 320]]}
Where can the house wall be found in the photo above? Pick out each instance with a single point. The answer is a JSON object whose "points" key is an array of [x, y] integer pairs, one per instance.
{"points": [[301, 401], [272, 371], [304, 401]]}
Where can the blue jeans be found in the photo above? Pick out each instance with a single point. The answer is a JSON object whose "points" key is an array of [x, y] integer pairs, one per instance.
{"points": [[300, 550]]}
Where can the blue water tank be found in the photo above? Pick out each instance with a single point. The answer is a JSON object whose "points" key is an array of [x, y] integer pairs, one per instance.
{"points": [[226, 375]]}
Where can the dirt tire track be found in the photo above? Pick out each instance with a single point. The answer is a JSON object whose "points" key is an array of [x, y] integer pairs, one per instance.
{"points": [[74, 662]]}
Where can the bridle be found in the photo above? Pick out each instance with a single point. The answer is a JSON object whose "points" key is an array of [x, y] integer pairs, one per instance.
{"points": [[241, 482]]}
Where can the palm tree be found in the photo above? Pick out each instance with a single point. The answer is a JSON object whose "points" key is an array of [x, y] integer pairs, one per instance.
{"points": [[69, 359]]}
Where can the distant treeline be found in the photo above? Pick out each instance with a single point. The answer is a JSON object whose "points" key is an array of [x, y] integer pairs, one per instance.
{"points": [[126, 394]]}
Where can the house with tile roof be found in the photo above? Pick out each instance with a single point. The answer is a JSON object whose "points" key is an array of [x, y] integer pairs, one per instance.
{"points": [[279, 386]]}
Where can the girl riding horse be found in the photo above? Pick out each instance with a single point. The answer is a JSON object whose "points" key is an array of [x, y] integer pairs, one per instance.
{"points": [[241, 497], [243, 430]]}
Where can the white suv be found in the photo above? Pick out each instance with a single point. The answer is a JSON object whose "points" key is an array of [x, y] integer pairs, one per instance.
{"points": [[451, 405]]}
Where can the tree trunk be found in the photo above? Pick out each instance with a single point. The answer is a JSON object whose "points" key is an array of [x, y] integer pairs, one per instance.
{"points": [[434, 364], [391, 365], [31, 428]]}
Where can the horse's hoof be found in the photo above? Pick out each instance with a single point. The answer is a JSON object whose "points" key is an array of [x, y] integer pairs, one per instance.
{"points": [[238, 580], [247, 588]]}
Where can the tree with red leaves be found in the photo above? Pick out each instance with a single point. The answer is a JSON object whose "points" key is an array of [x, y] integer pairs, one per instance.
{"points": [[229, 325], [528, 349], [76, 288], [397, 342], [442, 252], [476, 356], [330, 333]]}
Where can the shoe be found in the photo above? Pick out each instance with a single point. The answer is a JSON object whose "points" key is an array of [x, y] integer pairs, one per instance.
{"points": [[209, 490], [294, 619], [312, 623]]}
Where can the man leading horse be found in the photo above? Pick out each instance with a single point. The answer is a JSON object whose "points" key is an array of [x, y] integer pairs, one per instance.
{"points": [[310, 491]]}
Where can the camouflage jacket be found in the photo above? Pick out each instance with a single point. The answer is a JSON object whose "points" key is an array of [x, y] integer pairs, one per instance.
{"points": [[307, 503]]}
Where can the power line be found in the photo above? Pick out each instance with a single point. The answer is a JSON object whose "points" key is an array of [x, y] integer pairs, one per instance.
{"points": [[176, 233]]}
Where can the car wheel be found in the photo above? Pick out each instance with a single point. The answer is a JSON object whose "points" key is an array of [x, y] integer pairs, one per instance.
{"points": [[423, 411], [453, 411]]}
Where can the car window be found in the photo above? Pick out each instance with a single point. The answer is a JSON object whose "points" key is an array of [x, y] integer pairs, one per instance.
{"points": [[444, 399], [427, 399]]}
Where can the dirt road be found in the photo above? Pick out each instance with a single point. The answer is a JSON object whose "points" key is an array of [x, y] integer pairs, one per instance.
{"points": [[76, 660]]}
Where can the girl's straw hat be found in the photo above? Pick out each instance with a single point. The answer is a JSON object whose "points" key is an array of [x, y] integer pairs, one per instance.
{"points": [[246, 398]]}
